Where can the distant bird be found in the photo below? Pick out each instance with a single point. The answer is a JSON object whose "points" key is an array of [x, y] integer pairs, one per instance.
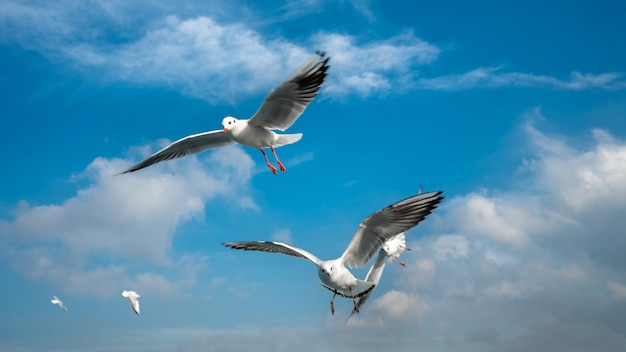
{"points": [[394, 247], [133, 297], [389, 251], [279, 111], [370, 235], [56, 300]]}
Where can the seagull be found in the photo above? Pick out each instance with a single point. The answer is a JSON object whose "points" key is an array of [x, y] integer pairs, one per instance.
{"points": [[389, 251], [56, 300], [282, 106], [394, 247], [133, 297], [370, 235]]}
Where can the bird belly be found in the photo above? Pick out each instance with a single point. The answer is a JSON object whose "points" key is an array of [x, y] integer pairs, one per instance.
{"points": [[340, 282], [256, 137]]}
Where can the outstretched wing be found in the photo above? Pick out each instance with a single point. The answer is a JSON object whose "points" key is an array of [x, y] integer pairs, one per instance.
{"points": [[134, 302], [386, 223], [273, 247], [192, 144], [287, 102], [373, 276]]}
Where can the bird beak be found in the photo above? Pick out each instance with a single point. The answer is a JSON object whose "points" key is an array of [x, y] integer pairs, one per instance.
{"points": [[225, 130]]}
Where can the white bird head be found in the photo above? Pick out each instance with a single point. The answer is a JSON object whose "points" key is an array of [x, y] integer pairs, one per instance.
{"points": [[128, 294], [326, 270], [229, 122]]}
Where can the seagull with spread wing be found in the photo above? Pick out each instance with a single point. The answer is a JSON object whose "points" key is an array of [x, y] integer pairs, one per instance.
{"points": [[279, 111], [133, 297], [370, 235], [56, 300]]}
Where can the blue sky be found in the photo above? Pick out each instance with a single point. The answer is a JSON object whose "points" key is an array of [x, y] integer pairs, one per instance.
{"points": [[517, 112]]}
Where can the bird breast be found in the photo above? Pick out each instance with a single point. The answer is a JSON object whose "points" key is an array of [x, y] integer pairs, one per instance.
{"points": [[252, 136], [340, 278]]}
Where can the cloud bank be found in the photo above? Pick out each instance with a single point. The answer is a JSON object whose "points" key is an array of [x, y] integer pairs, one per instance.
{"points": [[221, 58], [537, 266], [118, 230]]}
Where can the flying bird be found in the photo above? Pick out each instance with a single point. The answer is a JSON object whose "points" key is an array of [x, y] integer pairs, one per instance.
{"points": [[56, 300], [133, 297], [282, 106], [370, 235], [394, 247], [389, 251]]}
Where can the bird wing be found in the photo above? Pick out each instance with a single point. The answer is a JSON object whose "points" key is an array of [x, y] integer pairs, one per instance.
{"points": [[386, 223], [376, 271], [62, 305], [373, 276], [287, 102], [192, 144], [273, 247], [134, 302]]}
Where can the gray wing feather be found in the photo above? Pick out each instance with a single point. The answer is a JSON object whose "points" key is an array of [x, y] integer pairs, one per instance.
{"points": [[193, 144], [386, 223], [287, 102], [273, 247]]}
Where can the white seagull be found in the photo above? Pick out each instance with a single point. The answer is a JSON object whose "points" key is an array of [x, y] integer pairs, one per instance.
{"points": [[56, 300], [389, 251], [133, 297], [279, 111], [370, 235], [394, 247]]}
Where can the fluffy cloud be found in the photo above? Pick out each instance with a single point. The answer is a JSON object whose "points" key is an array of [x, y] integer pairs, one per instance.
{"points": [[203, 56], [514, 267], [221, 58], [492, 77], [129, 219]]}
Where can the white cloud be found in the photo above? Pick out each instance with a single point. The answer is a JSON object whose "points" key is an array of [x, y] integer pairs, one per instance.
{"points": [[203, 56], [400, 305], [129, 219], [617, 290], [420, 274], [451, 247], [282, 235], [202, 50], [484, 216], [492, 78], [511, 290], [538, 256], [374, 67]]}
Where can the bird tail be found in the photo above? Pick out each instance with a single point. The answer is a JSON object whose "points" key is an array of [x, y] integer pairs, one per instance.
{"points": [[284, 139]]}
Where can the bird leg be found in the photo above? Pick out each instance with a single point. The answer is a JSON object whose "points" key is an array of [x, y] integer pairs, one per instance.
{"points": [[406, 248], [268, 162], [282, 167], [399, 262], [332, 304], [356, 306]]}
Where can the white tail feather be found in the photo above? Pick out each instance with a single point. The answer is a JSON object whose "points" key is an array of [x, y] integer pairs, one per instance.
{"points": [[284, 139]]}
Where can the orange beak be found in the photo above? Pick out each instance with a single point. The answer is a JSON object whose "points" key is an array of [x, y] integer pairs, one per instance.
{"points": [[225, 130]]}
